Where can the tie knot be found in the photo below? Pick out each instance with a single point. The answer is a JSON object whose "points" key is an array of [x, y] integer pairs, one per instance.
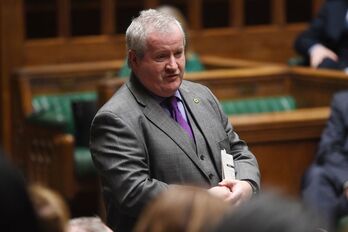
{"points": [[172, 102]]}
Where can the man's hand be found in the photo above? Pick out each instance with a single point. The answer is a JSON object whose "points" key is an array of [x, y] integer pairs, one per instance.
{"points": [[233, 191], [318, 53], [241, 191], [222, 192]]}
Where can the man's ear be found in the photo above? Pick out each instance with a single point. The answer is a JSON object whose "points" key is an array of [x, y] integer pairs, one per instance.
{"points": [[132, 58]]}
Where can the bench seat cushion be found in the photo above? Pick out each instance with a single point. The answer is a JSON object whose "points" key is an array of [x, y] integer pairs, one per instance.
{"points": [[62, 110]]}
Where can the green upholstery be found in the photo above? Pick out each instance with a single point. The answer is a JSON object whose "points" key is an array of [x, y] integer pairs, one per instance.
{"points": [[84, 166], [297, 61], [56, 110], [258, 105]]}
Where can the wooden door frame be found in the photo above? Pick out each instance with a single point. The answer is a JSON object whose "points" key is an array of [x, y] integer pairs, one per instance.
{"points": [[11, 50]]}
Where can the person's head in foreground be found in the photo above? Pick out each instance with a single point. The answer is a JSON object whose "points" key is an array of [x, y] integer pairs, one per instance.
{"points": [[182, 208], [270, 212], [52, 210], [87, 224]]}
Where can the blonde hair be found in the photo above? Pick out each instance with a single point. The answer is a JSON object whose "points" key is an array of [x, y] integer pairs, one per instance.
{"points": [[182, 208], [52, 210]]}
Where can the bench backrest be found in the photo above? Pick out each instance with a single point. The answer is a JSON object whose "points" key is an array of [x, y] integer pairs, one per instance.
{"points": [[58, 108], [259, 105]]}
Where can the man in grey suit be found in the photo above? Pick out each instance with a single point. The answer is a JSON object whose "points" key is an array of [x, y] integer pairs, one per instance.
{"points": [[140, 150]]}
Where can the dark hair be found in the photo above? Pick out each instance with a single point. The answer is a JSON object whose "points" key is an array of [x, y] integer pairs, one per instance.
{"points": [[270, 212], [16, 212]]}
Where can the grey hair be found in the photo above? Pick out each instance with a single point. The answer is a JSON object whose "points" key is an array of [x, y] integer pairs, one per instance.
{"points": [[148, 21]]}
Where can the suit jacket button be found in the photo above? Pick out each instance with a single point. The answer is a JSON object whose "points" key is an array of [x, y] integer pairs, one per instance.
{"points": [[201, 157], [211, 176]]}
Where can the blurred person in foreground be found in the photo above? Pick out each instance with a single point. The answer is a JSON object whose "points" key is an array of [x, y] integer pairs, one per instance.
{"points": [[17, 212], [159, 130], [324, 43], [182, 208], [270, 212], [52, 210]]}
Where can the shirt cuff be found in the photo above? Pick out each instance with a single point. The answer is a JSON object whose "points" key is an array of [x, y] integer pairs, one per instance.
{"points": [[254, 187]]}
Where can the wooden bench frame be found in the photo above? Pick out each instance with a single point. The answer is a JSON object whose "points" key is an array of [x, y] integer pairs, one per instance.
{"points": [[47, 153]]}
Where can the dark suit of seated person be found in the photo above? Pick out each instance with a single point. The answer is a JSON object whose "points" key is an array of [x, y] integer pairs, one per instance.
{"points": [[325, 184], [271, 212], [193, 63], [325, 42], [159, 130]]}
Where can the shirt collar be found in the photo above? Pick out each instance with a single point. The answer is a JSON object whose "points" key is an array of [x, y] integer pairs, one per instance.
{"points": [[161, 99]]}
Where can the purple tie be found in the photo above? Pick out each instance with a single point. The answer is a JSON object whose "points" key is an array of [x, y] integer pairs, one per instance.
{"points": [[177, 116]]}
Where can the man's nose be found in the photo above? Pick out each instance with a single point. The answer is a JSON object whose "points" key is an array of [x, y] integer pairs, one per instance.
{"points": [[172, 63]]}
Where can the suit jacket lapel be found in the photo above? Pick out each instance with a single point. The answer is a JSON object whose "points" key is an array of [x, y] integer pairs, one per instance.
{"points": [[154, 112], [197, 108]]}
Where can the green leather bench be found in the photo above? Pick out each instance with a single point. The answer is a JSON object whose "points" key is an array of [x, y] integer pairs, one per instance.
{"points": [[57, 111], [258, 105]]}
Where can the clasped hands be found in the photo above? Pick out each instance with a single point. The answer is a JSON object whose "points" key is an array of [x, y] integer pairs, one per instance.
{"points": [[233, 191]]}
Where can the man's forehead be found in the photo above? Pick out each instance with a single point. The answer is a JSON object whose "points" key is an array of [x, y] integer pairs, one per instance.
{"points": [[162, 29], [165, 38]]}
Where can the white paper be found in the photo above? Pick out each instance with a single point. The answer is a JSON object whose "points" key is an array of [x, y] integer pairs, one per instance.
{"points": [[228, 171]]}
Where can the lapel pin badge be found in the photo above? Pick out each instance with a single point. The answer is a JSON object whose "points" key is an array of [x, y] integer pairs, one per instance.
{"points": [[196, 100]]}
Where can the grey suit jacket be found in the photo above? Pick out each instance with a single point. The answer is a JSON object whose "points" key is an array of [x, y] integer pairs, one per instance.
{"points": [[139, 150]]}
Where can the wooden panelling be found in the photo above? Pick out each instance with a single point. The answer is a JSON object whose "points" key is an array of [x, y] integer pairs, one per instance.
{"points": [[321, 84], [262, 43], [284, 143], [108, 17], [64, 18], [259, 44], [11, 51]]}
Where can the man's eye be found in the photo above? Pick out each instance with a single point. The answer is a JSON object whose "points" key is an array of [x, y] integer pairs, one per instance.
{"points": [[178, 54], [161, 57]]}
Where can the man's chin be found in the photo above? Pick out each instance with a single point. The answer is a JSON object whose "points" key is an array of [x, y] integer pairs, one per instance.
{"points": [[168, 92], [170, 79]]}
